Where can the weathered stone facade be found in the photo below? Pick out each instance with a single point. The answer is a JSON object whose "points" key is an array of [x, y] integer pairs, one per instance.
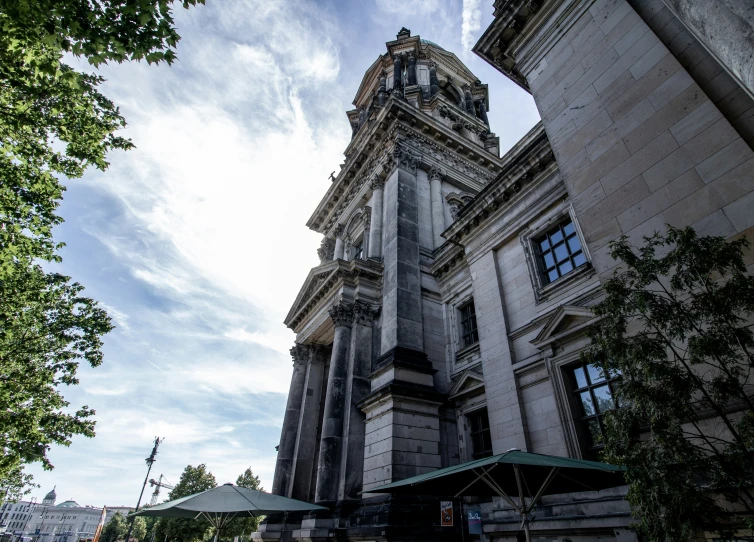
{"points": [[446, 319]]}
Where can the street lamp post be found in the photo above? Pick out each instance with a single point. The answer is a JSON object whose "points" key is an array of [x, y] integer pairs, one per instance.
{"points": [[150, 460]]}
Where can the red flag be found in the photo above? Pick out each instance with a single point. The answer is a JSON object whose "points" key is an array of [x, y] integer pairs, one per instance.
{"points": [[100, 524]]}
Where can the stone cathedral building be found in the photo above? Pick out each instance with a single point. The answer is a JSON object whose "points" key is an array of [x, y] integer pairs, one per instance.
{"points": [[447, 316]]}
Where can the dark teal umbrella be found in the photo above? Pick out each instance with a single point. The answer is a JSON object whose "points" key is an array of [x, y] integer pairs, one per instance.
{"points": [[224, 503], [518, 475]]}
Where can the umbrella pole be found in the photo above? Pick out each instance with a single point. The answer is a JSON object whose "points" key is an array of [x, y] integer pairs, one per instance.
{"points": [[522, 500]]}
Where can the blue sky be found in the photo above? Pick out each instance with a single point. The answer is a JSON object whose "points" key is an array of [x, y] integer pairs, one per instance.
{"points": [[196, 242]]}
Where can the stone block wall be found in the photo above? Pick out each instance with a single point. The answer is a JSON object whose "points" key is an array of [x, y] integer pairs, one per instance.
{"points": [[639, 142]]}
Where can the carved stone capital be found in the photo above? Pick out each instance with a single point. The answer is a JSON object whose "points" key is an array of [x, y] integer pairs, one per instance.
{"points": [[318, 354], [300, 353], [377, 183], [341, 314], [399, 157], [435, 173], [338, 230], [363, 313], [366, 216], [326, 250]]}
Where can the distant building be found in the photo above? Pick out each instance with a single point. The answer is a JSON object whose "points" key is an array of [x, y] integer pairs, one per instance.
{"points": [[66, 522], [14, 517]]}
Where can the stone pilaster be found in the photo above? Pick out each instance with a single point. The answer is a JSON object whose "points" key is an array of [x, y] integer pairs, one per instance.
{"points": [[434, 83], [726, 28], [301, 484], [401, 292], [397, 74], [375, 227], [330, 444], [340, 247], [286, 448], [436, 201], [357, 388]]}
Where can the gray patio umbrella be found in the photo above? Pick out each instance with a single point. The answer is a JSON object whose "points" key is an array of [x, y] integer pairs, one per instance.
{"points": [[224, 503], [513, 474]]}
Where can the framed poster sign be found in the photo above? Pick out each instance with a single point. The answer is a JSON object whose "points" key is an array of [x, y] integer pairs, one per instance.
{"points": [[446, 513]]}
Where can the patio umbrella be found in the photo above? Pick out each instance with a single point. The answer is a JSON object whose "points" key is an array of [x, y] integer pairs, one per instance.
{"points": [[514, 474], [224, 503]]}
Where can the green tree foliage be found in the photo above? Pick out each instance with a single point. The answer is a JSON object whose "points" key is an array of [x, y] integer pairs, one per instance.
{"points": [[139, 531], [243, 526], [115, 529], [676, 324], [193, 480], [54, 123]]}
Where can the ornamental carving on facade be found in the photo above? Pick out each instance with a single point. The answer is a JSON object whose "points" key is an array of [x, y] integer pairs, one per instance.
{"points": [[363, 313], [326, 250], [341, 314], [300, 353]]}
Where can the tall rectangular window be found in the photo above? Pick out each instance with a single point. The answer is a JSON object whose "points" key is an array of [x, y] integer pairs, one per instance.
{"points": [[559, 251], [469, 333], [594, 394], [479, 426]]}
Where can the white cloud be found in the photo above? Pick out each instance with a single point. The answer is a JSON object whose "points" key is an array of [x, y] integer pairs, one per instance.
{"points": [[471, 22]]}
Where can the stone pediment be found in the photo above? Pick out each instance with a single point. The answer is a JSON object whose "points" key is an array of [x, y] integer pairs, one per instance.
{"points": [[567, 320], [469, 383], [322, 279]]}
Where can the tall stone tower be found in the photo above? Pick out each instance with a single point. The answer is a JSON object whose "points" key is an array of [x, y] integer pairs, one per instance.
{"points": [[367, 398]]}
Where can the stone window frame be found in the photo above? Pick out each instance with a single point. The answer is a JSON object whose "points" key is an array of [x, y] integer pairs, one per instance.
{"points": [[356, 231], [461, 351], [464, 431], [542, 291]]}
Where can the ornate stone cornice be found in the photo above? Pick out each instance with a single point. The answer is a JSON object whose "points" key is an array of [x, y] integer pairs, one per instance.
{"points": [[325, 279], [341, 314], [448, 260], [367, 156], [531, 161]]}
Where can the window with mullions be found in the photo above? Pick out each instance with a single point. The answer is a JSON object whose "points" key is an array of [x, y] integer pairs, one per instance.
{"points": [[357, 251], [594, 394], [481, 442], [559, 251], [469, 334]]}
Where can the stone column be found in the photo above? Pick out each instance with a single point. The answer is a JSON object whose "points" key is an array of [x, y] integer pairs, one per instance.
{"points": [[397, 73], [340, 248], [434, 84], [438, 211], [289, 433], [726, 29], [469, 101], [375, 228], [366, 218], [382, 93], [330, 444], [483, 113], [411, 69], [357, 388], [301, 486]]}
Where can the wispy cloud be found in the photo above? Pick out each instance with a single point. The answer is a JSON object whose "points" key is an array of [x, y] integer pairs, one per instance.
{"points": [[195, 241], [471, 22]]}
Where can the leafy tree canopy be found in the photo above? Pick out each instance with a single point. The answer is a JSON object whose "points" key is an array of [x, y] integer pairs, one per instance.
{"points": [[115, 529], [54, 123], [676, 324]]}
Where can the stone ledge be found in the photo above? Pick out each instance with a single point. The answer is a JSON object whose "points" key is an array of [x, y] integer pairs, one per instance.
{"points": [[404, 358]]}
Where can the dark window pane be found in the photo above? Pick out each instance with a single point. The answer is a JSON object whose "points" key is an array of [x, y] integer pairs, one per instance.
{"points": [[579, 259], [549, 260], [569, 228], [561, 252], [556, 237], [604, 399], [595, 374], [587, 406], [565, 268], [574, 245], [595, 432], [578, 374]]}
